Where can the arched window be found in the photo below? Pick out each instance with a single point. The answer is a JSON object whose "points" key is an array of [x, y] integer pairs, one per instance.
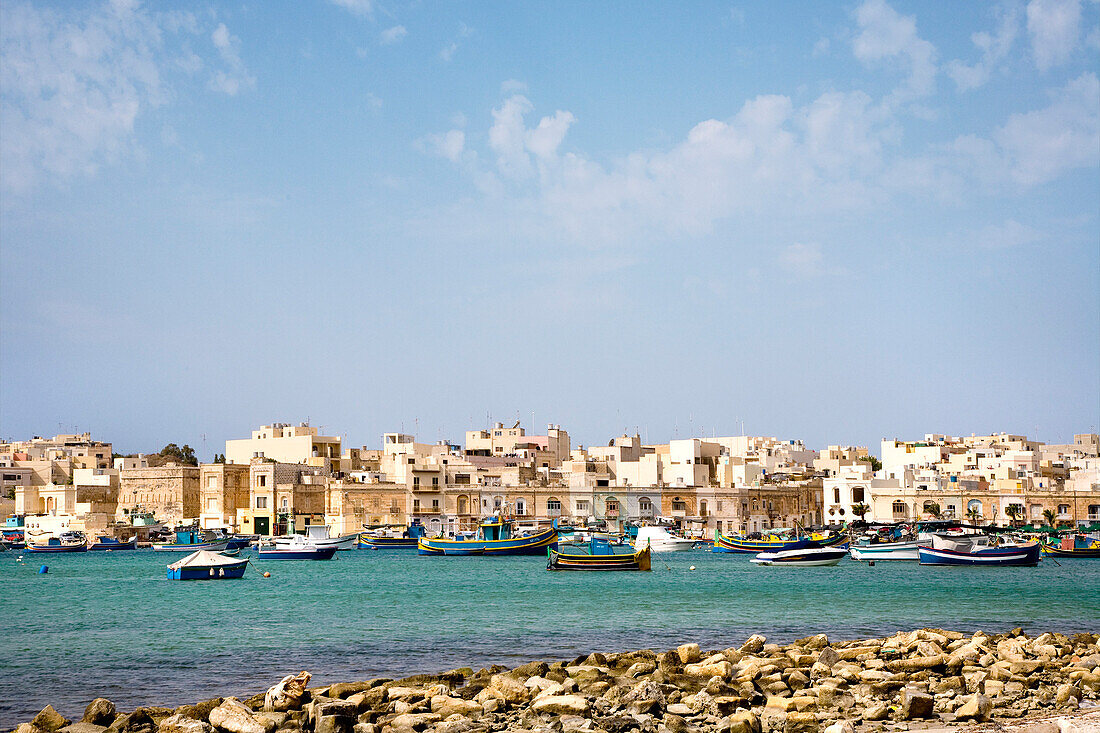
{"points": [[553, 507], [974, 505], [703, 508], [857, 495], [900, 509], [645, 504], [286, 503], [463, 504], [521, 506]]}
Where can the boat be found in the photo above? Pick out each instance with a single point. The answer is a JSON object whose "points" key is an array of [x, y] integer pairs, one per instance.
{"points": [[66, 542], [190, 540], [600, 555], [873, 552], [809, 556], [241, 541], [659, 539], [495, 536], [1074, 546], [977, 549], [319, 535], [378, 539], [104, 542], [301, 549], [206, 565], [775, 540]]}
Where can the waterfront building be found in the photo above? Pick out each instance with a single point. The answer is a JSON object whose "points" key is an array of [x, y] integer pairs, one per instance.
{"points": [[223, 490], [170, 492], [287, 444]]}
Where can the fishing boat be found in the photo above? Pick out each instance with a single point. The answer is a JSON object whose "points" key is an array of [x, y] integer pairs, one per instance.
{"points": [[300, 550], [977, 549], [806, 553], [241, 541], [103, 542], [775, 540], [495, 536], [659, 539], [873, 552], [190, 540], [206, 565], [1074, 546], [65, 542], [382, 538], [319, 535], [600, 555]]}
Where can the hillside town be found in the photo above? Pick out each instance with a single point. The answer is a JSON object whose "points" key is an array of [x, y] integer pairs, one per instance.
{"points": [[285, 477]]}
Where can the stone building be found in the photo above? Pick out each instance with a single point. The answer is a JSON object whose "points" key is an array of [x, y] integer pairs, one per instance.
{"points": [[170, 492]]}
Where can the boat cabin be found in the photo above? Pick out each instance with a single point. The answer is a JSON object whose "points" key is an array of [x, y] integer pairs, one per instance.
{"points": [[495, 528]]}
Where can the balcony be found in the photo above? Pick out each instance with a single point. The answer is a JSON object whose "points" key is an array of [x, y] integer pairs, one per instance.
{"points": [[612, 513]]}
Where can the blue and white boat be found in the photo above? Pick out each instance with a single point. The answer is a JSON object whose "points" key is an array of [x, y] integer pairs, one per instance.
{"points": [[379, 538], [803, 553], [977, 549], [103, 542], [190, 540], [206, 565], [299, 549], [495, 536], [66, 542]]}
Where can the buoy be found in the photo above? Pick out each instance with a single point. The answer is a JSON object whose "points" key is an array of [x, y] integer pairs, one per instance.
{"points": [[871, 563], [267, 575], [43, 569], [692, 567]]}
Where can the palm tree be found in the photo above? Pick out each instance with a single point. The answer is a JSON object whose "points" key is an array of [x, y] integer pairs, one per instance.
{"points": [[860, 510], [974, 515], [933, 510], [1014, 511], [1050, 517]]}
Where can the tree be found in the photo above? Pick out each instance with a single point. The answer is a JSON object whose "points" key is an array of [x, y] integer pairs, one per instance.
{"points": [[172, 453], [974, 514], [1050, 517], [933, 510], [1014, 512], [219, 458], [876, 464], [860, 510]]}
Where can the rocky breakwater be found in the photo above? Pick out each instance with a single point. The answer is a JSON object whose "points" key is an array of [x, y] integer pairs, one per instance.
{"points": [[929, 678]]}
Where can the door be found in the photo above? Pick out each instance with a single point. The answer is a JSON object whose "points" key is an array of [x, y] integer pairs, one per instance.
{"points": [[263, 525]]}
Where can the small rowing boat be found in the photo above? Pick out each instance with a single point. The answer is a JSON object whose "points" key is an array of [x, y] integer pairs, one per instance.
{"points": [[206, 565]]}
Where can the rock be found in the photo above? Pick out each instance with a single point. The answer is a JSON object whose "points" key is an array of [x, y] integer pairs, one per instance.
{"points": [[688, 653], [413, 721], [877, 711], [25, 728], [509, 688], [742, 721], [290, 692], [561, 705], [840, 726], [1024, 666], [644, 697], [801, 723], [82, 727], [915, 664], [334, 724], [717, 669], [977, 707], [200, 710], [182, 724], [640, 668], [828, 657], [50, 720], [754, 644], [1065, 692], [674, 724], [234, 717], [531, 669], [100, 711], [342, 690], [447, 706], [915, 704]]}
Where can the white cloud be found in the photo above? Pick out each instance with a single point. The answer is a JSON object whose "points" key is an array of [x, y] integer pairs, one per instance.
{"points": [[994, 47], [1005, 236], [234, 77], [448, 145], [357, 7], [1054, 26], [393, 35], [804, 260], [884, 34], [448, 52], [544, 140], [507, 137]]}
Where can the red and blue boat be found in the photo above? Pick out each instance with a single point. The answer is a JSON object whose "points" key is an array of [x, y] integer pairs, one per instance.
{"points": [[977, 549], [495, 536], [104, 542], [66, 542], [206, 565], [1076, 545], [377, 539]]}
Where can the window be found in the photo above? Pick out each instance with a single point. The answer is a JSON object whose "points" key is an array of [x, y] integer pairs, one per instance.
{"points": [[857, 495], [463, 505], [521, 506], [836, 495], [974, 505], [285, 503], [612, 507], [703, 508], [211, 505], [900, 509], [435, 505], [645, 504], [462, 479], [678, 504], [261, 480], [1063, 508], [553, 507], [416, 481], [211, 482], [261, 502], [435, 481], [416, 505], [582, 506]]}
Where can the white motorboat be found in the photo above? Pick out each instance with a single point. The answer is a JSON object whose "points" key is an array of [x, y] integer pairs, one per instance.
{"points": [[885, 551], [802, 557], [320, 537], [659, 539]]}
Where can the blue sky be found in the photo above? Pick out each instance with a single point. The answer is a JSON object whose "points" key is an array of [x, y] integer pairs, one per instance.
{"points": [[831, 221]]}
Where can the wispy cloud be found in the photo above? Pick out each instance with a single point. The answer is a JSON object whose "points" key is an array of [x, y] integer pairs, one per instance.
{"points": [[393, 35], [1006, 236], [234, 76], [994, 47], [1054, 26], [885, 35], [362, 8]]}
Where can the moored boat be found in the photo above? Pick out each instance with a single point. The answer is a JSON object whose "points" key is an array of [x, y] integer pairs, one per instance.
{"points": [[600, 555], [495, 536], [378, 539], [241, 541], [807, 553], [65, 542], [906, 550], [659, 539], [191, 540], [775, 541], [974, 549], [1074, 546], [206, 565], [319, 536], [110, 543], [300, 551]]}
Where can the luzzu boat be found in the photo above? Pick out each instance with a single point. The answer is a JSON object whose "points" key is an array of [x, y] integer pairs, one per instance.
{"points": [[599, 555], [67, 542], [191, 540], [1074, 546], [104, 542], [495, 536], [379, 540], [775, 541], [976, 549], [206, 565]]}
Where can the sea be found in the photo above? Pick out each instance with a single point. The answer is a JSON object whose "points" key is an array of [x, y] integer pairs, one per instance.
{"points": [[109, 624]]}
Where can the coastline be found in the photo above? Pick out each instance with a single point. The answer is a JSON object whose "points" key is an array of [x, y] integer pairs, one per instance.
{"points": [[922, 679]]}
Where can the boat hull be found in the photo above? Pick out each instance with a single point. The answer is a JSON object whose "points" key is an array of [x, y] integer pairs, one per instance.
{"points": [[223, 572], [568, 561], [1059, 552], [212, 546], [320, 553], [387, 543], [1015, 555], [885, 551], [347, 542], [535, 544], [804, 558], [53, 549], [114, 545], [733, 544]]}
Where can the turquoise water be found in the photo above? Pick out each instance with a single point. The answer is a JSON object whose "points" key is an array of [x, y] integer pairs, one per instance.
{"points": [[110, 624]]}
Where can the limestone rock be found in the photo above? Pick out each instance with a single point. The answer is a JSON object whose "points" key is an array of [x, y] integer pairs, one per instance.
{"points": [[717, 669], [688, 653], [289, 693], [915, 704], [977, 707], [510, 689], [876, 712], [645, 697], [754, 644], [100, 711], [233, 716], [742, 721], [200, 710], [561, 705], [413, 721], [828, 657], [447, 706], [801, 723], [182, 724], [840, 726], [82, 727]]}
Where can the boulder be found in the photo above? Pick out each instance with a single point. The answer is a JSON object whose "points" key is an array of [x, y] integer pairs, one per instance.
{"points": [[509, 688], [644, 697], [200, 710], [100, 711], [977, 707], [561, 705], [343, 689], [447, 706], [914, 704], [828, 656], [754, 644], [233, 716], [82, 727], [840, 726], [715, 669], [742, 721], [290, 692], [801, 723], [688, 653], [182, 724], [640, 668], [876, 711], [914, 664], [413, 721], [333, 724], [50, 720]]}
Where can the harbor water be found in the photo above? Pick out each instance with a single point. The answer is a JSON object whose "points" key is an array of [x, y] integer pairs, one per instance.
{"points": [[109, 624]]}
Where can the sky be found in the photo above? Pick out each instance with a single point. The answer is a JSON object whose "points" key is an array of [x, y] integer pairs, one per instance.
{"points": [[835, 222]]}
